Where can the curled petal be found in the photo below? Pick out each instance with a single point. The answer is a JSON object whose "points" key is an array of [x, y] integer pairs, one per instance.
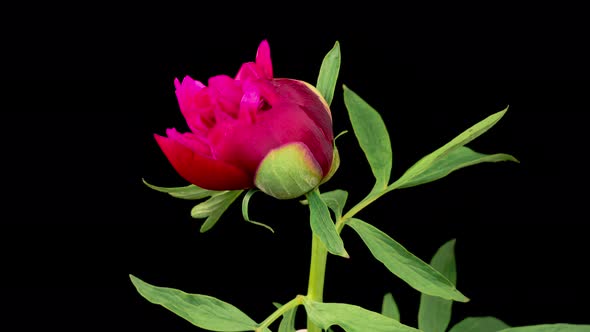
{"points": [[263, 59], [227, 93], [262, 68], [248, 70], [201, 170], [191, 141], [194, 102], [190, 83], [186, 92], [249, 106]]}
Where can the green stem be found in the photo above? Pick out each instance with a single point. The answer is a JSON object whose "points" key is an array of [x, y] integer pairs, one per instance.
{"points": [[317, 273], [319, 253], [279, 312], [373, 196]]}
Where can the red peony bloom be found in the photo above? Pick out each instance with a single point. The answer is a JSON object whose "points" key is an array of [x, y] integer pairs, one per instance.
{"points": [[252, 130]]}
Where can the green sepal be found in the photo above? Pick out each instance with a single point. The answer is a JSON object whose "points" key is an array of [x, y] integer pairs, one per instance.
{"points": [[190, 192], [334, 166], [245, 202], [288, 171], [335, 160], [214, 207]]}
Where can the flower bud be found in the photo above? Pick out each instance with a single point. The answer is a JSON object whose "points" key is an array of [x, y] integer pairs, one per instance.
{"points": [[252, 130]]}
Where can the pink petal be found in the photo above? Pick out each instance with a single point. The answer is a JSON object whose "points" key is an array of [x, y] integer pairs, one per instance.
{"points": [[200, 170], [227, 94], [248, 70], [263, 59], [309, 100], [194, 101], [262, 68], [250, 103], [247, 144], [191, 141]]}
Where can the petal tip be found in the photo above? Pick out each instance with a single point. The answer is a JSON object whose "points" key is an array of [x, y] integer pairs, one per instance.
{"points": [[263, 59]]}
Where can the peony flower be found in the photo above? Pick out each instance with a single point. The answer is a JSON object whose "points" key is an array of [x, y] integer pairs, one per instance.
{"points": [[252, 130]]}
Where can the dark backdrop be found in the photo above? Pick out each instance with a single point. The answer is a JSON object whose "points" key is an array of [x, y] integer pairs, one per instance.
{"points": [[84, 89]]}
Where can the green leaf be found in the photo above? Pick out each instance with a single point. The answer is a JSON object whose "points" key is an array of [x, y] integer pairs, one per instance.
{"points": [[434, 313], [372, 135], [245, 203], [559, 327], [454, 160], [351, 318], [329, 73], [288, 322], [404, 264], [214, 207], [323, 226], [446, 159], [201, 310], [187, 192], [389, 307], [335, 200], [479, 324]]}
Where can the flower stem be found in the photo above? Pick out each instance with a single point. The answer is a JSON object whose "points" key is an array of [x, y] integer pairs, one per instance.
{"points": [[317, 273], [319, 253]]}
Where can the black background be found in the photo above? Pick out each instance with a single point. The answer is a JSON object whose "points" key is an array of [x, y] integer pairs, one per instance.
{"points": [[84, 89]]}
